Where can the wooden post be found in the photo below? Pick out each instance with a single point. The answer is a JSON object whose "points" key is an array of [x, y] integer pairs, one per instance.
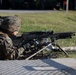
{"points": [[67, 6]]}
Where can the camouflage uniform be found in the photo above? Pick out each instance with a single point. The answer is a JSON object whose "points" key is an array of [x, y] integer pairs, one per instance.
{"points": [[8, 24]]}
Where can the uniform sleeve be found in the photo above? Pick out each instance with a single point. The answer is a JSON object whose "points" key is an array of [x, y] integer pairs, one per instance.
{"points": [[6, 48], [2, 49]]}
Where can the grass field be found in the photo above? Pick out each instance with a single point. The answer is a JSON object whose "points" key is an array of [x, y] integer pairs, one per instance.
{"points": [[56, 21]]}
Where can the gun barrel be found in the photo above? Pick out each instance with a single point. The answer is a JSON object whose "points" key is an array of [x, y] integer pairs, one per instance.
{"points": [[64, 35]]}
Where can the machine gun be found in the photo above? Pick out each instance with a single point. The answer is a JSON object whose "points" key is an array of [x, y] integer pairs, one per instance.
{"points": [[35, 42]]}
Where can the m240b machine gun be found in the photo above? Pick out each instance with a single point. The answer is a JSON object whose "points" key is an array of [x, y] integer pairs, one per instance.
{"points": [[35, 42]]}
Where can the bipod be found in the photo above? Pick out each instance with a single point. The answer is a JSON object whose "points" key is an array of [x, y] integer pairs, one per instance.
{"points": [[62, 50], [38, 52], [46, 48], [55, 47]]}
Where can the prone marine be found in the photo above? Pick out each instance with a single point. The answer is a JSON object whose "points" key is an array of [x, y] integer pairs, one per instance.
{"points": [[9, 28]]}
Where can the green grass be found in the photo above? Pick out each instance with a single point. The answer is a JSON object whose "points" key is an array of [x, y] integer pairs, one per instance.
{"points": [[52, 54], [56, 21]]}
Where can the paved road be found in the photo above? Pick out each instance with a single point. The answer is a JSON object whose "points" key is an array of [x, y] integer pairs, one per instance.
{"points": [[62, 66], [27, 11]]}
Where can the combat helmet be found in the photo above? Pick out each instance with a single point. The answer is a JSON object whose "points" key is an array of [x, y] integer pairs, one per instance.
{"points": [[11, 23]]}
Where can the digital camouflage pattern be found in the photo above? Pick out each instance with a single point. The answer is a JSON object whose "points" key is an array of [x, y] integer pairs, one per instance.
{"points": [[7, 49], [11, 23]]}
